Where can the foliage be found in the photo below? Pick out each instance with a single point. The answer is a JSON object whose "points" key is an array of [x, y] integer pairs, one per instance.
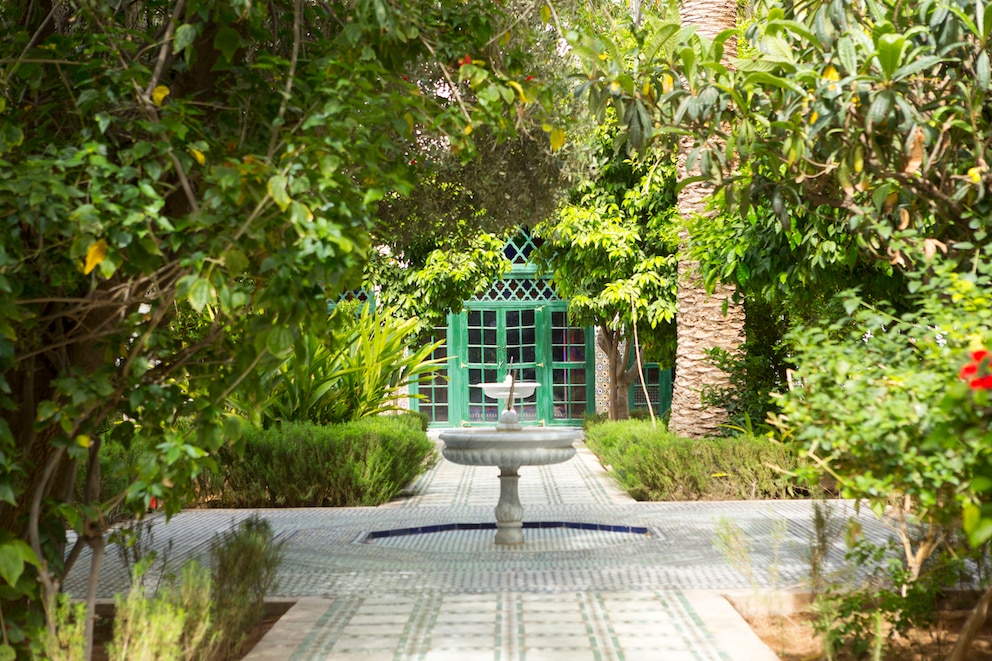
{"points": [[244, 563], [880, 406], [227, 156], [438, 278], [68, 642], [652, 464], [202, 613], [862, 124], [757, 370], [609, 253], [360, 371], [168, 625], [863, 618], [366, 462]]}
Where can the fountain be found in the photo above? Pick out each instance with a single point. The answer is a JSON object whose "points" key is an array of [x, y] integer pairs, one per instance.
{"points": [[509, 446]]}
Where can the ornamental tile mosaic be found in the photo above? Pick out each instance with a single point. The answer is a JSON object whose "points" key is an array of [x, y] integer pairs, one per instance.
{"points": [[599, 576]]}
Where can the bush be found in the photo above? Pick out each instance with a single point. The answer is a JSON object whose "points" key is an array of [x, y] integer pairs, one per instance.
{"points": [[653, 464], [244, 563], [366, 462], [202, 614]]}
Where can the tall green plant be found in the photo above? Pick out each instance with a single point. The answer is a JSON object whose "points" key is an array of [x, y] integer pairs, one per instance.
{"points": [[879, 405], [377, 361], [360, 370]]}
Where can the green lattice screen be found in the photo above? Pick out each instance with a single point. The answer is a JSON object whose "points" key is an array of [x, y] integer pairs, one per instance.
{"points": [[519, 248]]}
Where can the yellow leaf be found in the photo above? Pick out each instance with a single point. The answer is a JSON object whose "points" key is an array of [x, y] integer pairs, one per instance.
{"points": [[667, 83], [83, 441], [95, 254], [520, 90], [198, 155], [467, 130], [159, 94], [815, 116], [545, 14], [409, 121], [975, 174], [507, 36], [557, 139]]}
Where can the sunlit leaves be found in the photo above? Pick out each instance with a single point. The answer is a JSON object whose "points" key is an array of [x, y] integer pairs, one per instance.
{"points": [[95, 253]]}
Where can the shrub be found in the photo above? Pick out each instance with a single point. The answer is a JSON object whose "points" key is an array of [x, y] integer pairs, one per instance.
{"points": [[243, 563], [358, 371], [653, 464], [202, 614], [366, 462]]}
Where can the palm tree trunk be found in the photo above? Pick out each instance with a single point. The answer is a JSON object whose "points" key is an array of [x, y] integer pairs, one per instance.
{"points": [[703, 321]]}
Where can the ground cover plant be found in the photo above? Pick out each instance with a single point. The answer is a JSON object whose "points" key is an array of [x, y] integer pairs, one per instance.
{"points": [[651, 463]]}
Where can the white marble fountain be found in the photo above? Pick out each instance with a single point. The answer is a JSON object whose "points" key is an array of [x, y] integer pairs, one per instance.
{"points": [[509, 446]]}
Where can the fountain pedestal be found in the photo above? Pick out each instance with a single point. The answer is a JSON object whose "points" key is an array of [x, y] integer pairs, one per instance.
{"points": [[509, 446]]}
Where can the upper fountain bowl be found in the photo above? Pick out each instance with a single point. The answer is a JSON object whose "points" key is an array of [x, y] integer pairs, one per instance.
{"points": [[501, 389]]}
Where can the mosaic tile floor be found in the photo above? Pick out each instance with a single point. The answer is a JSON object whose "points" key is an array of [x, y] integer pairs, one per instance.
{"points": [[599, 577]]}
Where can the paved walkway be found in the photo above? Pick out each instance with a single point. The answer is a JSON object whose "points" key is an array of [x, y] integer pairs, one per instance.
{"points": [[600, 576]]}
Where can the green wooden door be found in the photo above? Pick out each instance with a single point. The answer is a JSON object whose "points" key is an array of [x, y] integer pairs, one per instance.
{"points": [[487, 340]]}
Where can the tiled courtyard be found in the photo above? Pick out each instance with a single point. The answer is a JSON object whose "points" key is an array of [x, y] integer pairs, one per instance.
{"points": [[599, 577]]}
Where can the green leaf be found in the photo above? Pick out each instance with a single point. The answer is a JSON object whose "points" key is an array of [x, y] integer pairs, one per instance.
{"points": [[200, 294], [227, 42], [7, 493], [759, 78], [982, 70], [279, 341], [848, 55], [277, 190], [185, 36], [10, 136], [14, 554], [299, 213], [890, 50], [7, 653]]}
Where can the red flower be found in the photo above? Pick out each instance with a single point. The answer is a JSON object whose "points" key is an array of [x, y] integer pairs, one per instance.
{"points": [[465, 60], [528, 79], [981, 383], [978, 373]]}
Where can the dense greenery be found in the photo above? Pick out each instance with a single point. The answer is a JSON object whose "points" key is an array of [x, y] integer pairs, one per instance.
{"points": [[361, 368], [223, 158], [367, 462], [652, 464], [609, 253]]}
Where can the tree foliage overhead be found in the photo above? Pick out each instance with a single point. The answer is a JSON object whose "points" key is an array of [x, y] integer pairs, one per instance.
{"points": [[227, 157], [609, 252], [863, 126]]}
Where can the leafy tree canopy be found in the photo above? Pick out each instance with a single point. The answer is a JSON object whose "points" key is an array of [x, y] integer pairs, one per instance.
{"points": [[227, 156], [861, 126]]}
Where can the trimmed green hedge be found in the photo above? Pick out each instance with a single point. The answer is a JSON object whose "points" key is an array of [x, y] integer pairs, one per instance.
{"points": [[657, 465], [366, 462]]}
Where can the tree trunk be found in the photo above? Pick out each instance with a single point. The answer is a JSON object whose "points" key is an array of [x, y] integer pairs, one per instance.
{"points": [[701, 321], [621, 376]]}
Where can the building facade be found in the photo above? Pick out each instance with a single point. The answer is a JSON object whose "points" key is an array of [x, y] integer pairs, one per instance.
{"points": [[521, 325]]}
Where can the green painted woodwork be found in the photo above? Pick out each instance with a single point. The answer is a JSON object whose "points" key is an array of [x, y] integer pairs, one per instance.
{"points": [[534, 339], [519, 324], [659, 383]]}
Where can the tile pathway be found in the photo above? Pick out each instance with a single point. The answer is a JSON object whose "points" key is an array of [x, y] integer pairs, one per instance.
{"points": [[600, 577]]}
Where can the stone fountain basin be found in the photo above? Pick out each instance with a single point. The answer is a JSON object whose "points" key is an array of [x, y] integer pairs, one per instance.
{"points": [[501, 389], [523, 447]]}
